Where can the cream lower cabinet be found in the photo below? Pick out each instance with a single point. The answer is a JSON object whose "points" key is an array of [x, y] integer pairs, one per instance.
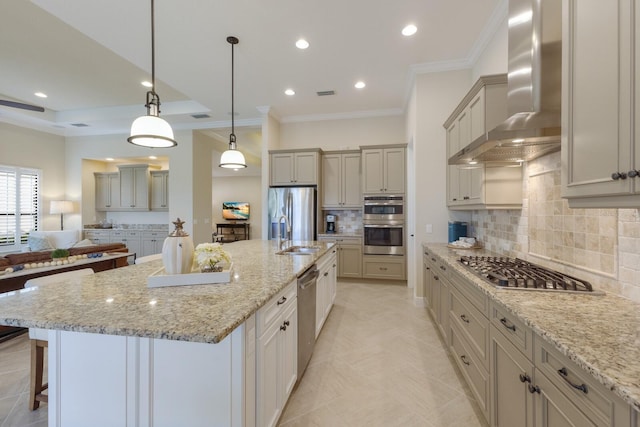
{"points": [[276, 355], [349, 254], [151, 242], [600, 104], [326, 287], [98, 236], [131, 238]]}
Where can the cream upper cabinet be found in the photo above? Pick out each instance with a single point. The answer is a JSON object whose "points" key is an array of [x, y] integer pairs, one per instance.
{"points": [[134, 187], [160, 190], [383, 169], [480, 186], [295, 167], [107, 191], [341, 180], [600, 154]]}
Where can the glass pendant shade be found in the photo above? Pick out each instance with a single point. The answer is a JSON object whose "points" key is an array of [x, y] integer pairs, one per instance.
{"points": [[232, 158], [151, 131]]}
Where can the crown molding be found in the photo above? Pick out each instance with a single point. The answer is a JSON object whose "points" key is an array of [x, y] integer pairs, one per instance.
{"points": [[343, 116]]}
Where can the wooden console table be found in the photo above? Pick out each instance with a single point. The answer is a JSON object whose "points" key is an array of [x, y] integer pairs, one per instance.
{"points": [[231, 232]]}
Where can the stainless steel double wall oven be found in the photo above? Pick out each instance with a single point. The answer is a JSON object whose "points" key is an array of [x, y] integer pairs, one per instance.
{"points": [[383, 222]]}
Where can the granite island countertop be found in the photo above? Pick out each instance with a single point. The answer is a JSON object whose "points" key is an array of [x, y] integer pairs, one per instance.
{"points": [[118, 301], [600, 333]]}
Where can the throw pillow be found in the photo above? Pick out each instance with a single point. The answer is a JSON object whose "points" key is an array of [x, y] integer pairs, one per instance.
{"points": [[82, 243], [39, 244]]}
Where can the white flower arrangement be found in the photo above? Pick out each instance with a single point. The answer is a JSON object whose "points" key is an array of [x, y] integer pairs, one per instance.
{"points": [[208, 255]]}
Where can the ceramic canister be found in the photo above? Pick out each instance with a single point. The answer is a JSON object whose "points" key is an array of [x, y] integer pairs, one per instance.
{"points": [[177, 251]]}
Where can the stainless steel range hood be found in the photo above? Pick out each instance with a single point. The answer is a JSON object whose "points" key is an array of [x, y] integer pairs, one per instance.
{"points": [[533, 89]]}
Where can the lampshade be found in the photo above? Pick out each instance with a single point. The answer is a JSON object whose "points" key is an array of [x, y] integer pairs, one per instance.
{"points": [[151, 131], [232, 159], [61, 207]]}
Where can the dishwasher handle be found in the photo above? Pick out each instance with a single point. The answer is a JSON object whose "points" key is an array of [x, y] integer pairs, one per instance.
{"points": [[308, 278]]}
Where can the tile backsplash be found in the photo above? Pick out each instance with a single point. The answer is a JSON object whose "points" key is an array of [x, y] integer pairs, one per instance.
{"points": [[347, 221], [599, 245]]}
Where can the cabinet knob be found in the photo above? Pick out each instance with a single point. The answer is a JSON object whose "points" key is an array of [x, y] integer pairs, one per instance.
{"points": [[534, 389], [633, 173], [524, 378], [465, 198], [618, 175], [464, 360]]}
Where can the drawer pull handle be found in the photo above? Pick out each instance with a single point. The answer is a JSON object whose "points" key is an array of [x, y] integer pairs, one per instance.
{"points": [[534, 389], [383, 268], [283, 327], [565, 376], [433, 259], [443, 268], [464, 360], [436, 278], [524, 378], [464, 318], [326, 273], [281, 301], [506, 324]]}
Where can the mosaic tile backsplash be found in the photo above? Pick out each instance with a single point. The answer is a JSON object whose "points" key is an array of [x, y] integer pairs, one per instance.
{"points": [[599, 245]]}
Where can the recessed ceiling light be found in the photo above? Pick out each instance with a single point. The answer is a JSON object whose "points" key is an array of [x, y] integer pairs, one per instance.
{"points": [[360, 85], [146, 84], [290, 92], [302, 44], [409, 30], [473, 162], [153, 157], [109, 159], [40, 95]]}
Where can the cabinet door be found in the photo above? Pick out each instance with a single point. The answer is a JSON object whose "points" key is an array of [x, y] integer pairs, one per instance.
{"points": [[444, 307], [321, 297], [372, 171], [596, 103], [476, 112], [351, 181], [281, 169], [289, 349], [134, 188], [511, 374], [394, 172], [269, 397], [554, 409], [350, 261], [453, 172], [331, 180], [107, 191], [476, 180], [464, 129], [160, 191], [306, 168]]}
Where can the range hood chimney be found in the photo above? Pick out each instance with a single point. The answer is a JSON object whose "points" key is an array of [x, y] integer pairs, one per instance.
{"points": [[533, 88]]}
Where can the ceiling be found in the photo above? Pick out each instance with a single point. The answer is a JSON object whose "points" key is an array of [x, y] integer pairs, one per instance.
{"points": [[89, 57]]}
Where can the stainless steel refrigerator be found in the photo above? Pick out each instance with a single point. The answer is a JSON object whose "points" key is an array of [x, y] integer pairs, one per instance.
{"points": [[299, 205]]}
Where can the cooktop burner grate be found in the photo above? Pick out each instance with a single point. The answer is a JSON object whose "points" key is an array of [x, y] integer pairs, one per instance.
{"points": [[519, 274]]}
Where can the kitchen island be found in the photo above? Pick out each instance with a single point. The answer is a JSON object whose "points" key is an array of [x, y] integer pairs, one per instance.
{"points": [[121, 353]]}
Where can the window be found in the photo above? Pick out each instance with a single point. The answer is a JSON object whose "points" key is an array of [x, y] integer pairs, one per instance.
{"points": [[19, 205]]}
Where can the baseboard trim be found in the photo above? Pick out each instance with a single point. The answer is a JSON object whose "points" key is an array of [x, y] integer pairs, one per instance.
{"points": [[419, 302]]}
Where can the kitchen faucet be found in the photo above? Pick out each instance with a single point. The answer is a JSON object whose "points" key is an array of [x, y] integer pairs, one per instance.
{"points": [[286, 220]]}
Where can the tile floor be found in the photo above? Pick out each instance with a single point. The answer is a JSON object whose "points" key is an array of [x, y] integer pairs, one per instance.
{"points": [[378, 362]]}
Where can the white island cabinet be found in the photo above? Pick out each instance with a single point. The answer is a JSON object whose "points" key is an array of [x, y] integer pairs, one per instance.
{"points": [[124, 354]]}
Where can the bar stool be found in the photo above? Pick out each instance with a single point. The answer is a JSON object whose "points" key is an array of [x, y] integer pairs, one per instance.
{"points": [[39, 339]]}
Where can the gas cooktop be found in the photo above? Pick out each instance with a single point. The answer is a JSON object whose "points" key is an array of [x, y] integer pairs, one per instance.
{"points": [[514, 273]]}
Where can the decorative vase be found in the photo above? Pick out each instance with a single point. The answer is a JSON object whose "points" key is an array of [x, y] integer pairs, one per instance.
{"points": [[177, 251]]}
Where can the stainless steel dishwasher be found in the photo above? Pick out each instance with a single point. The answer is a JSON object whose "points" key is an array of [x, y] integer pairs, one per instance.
{"points": [[306, 317]]}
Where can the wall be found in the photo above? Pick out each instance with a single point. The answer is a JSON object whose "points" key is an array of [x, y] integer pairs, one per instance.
{"points": [[239, 189], [346, 134], [494, 59], [28, 148], [601, 246]]}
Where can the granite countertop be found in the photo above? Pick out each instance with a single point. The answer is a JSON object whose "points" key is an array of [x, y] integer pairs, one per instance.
{"points": [[600, 333], [118, 301]]}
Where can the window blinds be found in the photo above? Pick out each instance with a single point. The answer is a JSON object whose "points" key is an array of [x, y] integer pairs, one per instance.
{"points": [[19, 204]]}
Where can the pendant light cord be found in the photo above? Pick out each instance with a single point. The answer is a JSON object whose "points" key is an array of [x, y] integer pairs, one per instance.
{"points": [[153, 50], [232, 137]]}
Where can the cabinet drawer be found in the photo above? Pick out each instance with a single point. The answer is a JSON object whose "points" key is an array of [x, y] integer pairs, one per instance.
{"points": [[154, 234], [478, 298], [513, 329], [472, 324], [277, 305], [595, 400], [134, 234], [375, 268], [475, 374]]}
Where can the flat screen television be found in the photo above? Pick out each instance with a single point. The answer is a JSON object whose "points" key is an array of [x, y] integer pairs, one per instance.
{"points": [[235, 210]]}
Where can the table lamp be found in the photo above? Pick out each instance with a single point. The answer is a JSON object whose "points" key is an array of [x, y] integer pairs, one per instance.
{"points": [[61, 207]]}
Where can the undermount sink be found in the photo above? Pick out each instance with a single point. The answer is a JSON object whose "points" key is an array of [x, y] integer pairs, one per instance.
{"points": [[299, 250]]}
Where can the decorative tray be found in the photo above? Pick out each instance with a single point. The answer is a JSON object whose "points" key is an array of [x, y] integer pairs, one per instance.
{"points": [[160, 278]]}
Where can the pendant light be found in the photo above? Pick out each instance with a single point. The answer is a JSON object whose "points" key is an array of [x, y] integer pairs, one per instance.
{"points": [[150, 130], [232, 158]]}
